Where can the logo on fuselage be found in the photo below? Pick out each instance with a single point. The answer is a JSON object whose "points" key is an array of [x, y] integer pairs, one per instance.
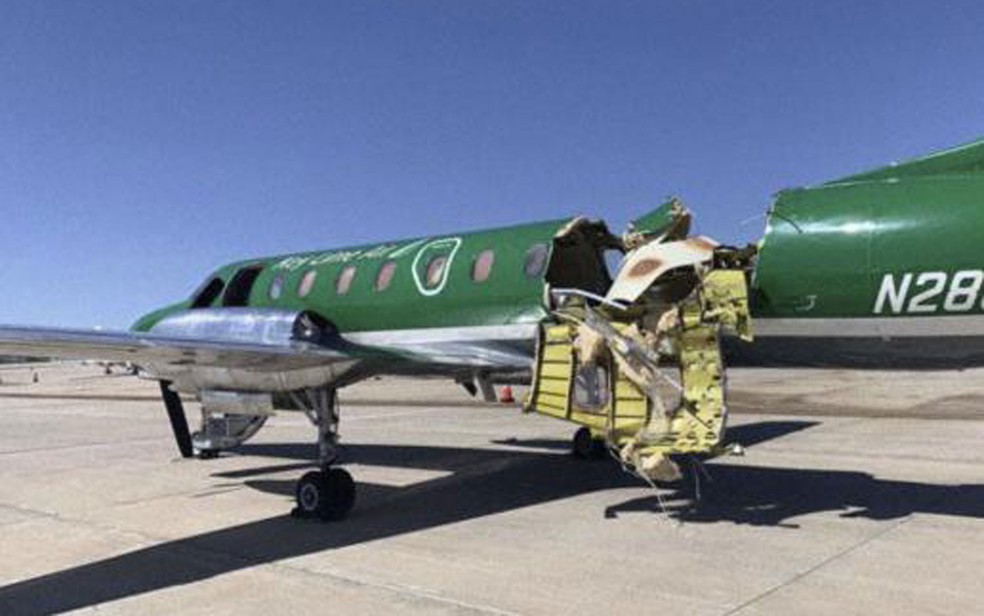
{"points": [[432, 264], [929, 292]]}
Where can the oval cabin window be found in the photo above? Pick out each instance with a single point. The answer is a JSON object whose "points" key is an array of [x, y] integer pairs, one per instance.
{"points": [[344, 280], [307, 283], [536, 260], [435, 271], [385, 275], [277, 287], [483, 265]]}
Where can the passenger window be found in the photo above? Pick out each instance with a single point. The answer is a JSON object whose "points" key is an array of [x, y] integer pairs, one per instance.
{"points": [[482, 266], [344, 280], [207, 293], [307, 283], [435, 271], [536, 260], [385, 275], [241, 285], [277, 287]]}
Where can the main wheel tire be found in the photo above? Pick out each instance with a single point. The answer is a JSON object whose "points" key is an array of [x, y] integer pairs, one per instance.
{"points": [[340, 495], [310, 494], [328, 495], [585, 446]]}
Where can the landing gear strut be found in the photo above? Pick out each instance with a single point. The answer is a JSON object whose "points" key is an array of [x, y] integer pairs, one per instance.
{"points": [[329, 493], [179, 423]]}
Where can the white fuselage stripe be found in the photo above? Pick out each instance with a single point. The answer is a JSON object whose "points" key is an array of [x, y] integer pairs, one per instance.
{"points": [[846, 327], [872, 327], [437, 335]]}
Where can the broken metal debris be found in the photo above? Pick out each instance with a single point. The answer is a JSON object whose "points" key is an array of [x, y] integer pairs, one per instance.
{"points": [[666, 309]]}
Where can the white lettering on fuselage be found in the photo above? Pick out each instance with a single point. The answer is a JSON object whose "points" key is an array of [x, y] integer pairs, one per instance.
{"points": [[338, 256], [928, 292]]}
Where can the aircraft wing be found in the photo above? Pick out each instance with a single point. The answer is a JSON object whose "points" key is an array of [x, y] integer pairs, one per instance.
{"points": [[163, 350], [243, 348]]}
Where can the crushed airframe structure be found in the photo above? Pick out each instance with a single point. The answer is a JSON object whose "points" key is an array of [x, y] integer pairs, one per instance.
{"points": [[641, 367]]}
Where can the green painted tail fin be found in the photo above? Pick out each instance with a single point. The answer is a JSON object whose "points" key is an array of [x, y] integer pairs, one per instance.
{"points": [[964, 159]]}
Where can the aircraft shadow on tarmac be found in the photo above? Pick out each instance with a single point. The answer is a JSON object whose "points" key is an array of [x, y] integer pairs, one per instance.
{"points": [[481, 482]]}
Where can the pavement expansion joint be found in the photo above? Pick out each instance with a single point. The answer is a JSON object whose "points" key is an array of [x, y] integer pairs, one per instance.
{"points": [[820, 565], [403, 590], [32, 514], [862, 455], [91, 445]]}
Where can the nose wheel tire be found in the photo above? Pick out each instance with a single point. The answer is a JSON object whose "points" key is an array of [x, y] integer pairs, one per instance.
{"points": [[585, 446], [327, 495]]}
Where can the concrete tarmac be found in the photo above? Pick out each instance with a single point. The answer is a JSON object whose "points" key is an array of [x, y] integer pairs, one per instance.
{"points": [[860, 493]]}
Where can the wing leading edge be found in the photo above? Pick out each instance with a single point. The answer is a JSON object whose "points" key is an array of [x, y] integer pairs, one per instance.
{"points": [[162, 350]]}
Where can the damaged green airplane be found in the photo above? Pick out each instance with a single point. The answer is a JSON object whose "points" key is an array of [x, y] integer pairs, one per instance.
{"points": [[873, 270]]}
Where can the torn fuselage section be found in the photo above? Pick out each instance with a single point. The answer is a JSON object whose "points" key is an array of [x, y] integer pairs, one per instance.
{"points": [[641, 364]]}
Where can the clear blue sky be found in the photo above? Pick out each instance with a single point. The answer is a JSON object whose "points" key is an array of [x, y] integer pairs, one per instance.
{"points": [[144, 143]]}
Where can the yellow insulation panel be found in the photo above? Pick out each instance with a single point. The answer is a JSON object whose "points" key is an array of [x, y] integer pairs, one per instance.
{"points": [[624, 390], [554, 386], [631, 408], [557, 353], [553, 370]]}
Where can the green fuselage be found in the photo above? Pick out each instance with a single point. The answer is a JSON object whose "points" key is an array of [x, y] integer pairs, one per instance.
{"points": [[508, 295], [878, 269]]}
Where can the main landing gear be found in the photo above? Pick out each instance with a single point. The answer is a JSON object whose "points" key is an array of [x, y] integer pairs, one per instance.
{"points": [[585, 446], [329, 493]]}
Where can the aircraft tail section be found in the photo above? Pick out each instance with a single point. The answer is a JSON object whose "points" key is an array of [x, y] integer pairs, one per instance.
{"points": [[960, 160]]}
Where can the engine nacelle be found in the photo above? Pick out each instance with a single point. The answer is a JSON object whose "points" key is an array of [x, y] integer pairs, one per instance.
{"points": [[247, 325]]}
